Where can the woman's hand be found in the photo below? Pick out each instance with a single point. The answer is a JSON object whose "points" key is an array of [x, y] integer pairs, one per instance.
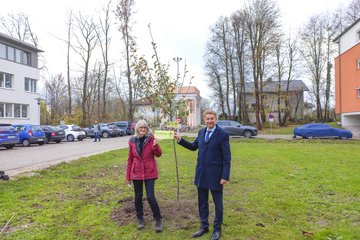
{"points": [[129, 183], [156, 141]]}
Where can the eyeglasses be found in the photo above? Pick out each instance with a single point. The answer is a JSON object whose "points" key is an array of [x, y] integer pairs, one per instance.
{"points": [[142, 127]]}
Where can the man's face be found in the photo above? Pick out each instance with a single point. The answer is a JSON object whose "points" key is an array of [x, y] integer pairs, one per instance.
{"points": [[210, 120]]}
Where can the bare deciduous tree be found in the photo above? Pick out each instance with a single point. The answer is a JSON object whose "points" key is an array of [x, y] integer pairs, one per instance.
{"points": [[104, 39], [86, 41], [55, 89], [262, 27], [352, 12], [124, 12]]}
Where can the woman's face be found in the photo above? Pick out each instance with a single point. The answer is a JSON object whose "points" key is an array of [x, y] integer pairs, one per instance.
{"points": [[142, 131]]}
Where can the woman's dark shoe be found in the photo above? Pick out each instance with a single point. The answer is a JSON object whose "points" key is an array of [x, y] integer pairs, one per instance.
{"points": [[141, 223], [159, 226]]}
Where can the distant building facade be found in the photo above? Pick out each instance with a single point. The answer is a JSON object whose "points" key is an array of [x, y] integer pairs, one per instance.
{"points": [[189, 94], [270, 97], [19, 76], [347, 76]]}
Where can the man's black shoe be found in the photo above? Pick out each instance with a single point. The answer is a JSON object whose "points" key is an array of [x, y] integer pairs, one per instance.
{"points": [[201, 232], [216, 235], [141, 223]]}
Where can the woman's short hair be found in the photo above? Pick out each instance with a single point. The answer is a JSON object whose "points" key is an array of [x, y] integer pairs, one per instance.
{"points": [[139, 124], [209, 111]]}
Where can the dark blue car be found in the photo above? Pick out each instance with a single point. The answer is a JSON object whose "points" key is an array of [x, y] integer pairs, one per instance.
{"points": [[30, 134], [53, 134], [9, 136], [312, 130]]}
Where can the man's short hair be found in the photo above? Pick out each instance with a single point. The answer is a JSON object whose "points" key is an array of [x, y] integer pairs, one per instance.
{"points": [[209, 111]]}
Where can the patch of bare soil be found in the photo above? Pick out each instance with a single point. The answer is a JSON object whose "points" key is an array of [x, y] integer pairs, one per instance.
{"points": [[174, 218]]}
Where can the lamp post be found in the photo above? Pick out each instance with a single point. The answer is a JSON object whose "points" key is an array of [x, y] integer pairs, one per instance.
{"points": [[177, 60], [39, 99]]}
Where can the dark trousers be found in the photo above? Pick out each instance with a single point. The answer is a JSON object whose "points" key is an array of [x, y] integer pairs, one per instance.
{"points": [[203, 204], [150, 195], [96, 136]]}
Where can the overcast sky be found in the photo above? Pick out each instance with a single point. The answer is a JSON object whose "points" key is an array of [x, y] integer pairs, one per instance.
{"points": [[179, 27]]}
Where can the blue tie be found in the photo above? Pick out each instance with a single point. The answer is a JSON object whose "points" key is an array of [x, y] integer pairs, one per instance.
{"points": [[207, 135]]}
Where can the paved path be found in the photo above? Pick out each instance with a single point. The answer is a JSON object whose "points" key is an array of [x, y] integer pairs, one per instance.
{"points": [[23, 159]]}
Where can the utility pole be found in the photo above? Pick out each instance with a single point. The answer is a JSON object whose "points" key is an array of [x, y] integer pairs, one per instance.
{"points": [[177, 60]]}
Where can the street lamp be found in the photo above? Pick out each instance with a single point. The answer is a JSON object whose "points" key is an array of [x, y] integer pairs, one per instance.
{"points": [[177, 60], [38, 100]]}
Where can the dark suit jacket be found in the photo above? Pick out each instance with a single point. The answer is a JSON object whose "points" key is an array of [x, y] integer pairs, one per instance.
{"points": [[214, 156]]}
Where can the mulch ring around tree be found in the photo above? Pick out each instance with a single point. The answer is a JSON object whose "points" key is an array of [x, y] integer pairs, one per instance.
{"points": [[184, 217]]}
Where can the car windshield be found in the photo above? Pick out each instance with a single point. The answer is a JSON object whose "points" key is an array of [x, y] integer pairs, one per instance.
{"points": [[36, 128], [76, 127]]}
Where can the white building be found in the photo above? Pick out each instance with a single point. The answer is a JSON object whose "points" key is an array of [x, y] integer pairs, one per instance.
{"points": [[19, 76], [189, 94]]}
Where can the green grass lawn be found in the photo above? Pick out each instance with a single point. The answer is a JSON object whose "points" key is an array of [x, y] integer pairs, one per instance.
{"points": [[279, 190]]}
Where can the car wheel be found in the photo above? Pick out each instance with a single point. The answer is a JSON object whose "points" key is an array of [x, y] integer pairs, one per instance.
{"points": [[41, 143], [80, 138], [46, 140], [9, 146], [247, 134], [105, 135], [58, 141], [70, 138], [4, 176], [310, 137], [26, 143], [344, 137]]}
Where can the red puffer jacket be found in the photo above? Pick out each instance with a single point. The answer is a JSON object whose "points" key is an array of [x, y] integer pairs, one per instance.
{"points": [[142, 167]]}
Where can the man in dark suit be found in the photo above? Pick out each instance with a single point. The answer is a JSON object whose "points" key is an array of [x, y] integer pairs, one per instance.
{"points": [[212, 170]]}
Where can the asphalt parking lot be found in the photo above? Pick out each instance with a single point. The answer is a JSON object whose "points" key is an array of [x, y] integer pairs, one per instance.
{"points": [[23, 159]]}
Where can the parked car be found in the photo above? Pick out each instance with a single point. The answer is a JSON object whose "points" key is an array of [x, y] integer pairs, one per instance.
{"points": [[30, 134], [105, 131], [127, 125], [312, 130], [121, 131], [53, 134], [234, 128], [73, 132], [9, 136]]}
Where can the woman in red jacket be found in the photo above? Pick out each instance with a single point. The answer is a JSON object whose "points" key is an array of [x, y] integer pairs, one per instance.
{"points": [[141, 169]]}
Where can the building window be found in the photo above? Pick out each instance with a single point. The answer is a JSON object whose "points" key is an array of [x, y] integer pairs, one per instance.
{"points": [[2, 51], [14, 54], [8, 110], [11, 53], [24, 111], [358, 92], [11, 110], [6, 80], [358, 63], [30, 85], [1, 109], [358, 35]]}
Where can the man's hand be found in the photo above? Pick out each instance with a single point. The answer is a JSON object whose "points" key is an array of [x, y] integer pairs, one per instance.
{"points": [[223, 181], [177, 136]]}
